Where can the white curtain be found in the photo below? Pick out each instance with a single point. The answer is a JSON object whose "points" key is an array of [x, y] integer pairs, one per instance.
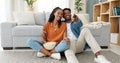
{"points": [[19, 5], [2, 11], [7, 7], [48, 5]]}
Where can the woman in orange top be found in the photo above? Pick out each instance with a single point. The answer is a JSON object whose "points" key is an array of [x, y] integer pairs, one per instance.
{"points": [[54, 31]]}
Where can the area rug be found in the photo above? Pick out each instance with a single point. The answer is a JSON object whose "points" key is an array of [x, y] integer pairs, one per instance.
{"points": [[30, 57]]}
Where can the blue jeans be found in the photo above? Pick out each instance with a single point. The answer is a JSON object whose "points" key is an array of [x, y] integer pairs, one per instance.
{"points": [[36, 45]]}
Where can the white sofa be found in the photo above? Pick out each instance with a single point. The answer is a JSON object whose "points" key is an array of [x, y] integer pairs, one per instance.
{"points": [[16, 33], [26, 25]]}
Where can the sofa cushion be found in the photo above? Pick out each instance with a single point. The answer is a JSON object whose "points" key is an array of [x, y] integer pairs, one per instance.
{"points": [[39, 18], [31, 30], [24, 18]]}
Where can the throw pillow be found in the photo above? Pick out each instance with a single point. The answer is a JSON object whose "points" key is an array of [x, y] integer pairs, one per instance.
{"points": [[49, 45], [24, 18], [39, 18], [47, 14]]}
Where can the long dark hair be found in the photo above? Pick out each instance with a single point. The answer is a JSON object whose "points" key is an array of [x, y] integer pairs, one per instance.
{"points": [[52, 17]]}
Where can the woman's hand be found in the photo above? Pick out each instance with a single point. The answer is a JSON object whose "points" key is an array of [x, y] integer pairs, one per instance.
{"points": [[43, 41], [44, 34], [67, 40]]}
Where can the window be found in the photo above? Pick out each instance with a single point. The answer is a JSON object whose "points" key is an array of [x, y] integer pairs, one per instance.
{"points": [[48, 5]]}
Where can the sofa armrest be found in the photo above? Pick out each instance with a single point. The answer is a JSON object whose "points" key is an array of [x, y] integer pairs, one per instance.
{"points": [[6, 33], [101, 32], [105, 35]]}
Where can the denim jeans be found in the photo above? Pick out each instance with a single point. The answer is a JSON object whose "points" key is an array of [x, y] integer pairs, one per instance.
{"points": [[36, 45]]}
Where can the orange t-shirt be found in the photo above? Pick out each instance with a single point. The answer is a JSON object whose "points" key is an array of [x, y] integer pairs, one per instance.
{"points": [[54, 35]]}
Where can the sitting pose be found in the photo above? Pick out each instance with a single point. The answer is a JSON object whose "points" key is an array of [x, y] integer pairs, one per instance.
{"points": [[54, 31], [79, 39]]}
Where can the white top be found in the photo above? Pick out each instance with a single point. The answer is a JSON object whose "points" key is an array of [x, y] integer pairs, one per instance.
{"points": [[70, 34]]}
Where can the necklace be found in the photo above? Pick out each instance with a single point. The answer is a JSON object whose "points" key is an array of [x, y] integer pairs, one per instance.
{"points": [[55, 27]]}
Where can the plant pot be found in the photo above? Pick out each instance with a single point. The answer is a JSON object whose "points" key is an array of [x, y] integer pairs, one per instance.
{"points": [[30, 9], [98, 19], [100, 1]]}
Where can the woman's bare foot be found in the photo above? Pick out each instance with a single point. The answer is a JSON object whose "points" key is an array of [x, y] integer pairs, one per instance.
{"points": [[53, 51], [46, 52]]}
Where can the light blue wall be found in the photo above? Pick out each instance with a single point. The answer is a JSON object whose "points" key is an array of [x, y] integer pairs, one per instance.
{"points": [[89, 7]]}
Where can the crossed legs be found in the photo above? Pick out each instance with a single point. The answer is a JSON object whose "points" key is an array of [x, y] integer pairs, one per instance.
{"points": [[36, 45]]}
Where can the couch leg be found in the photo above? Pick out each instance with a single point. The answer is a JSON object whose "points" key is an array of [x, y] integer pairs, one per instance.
{"points": [[13, 48], [22, 48], [7, 48], [104, 47]]}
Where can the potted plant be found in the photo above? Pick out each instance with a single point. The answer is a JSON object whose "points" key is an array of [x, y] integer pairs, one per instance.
{"points": [[78, 6], [30, 4]]}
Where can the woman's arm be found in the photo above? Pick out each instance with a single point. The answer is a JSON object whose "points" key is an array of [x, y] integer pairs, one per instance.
{"points": [[44, 34]]}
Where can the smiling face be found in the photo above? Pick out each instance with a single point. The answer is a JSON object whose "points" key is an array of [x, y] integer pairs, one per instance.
{"points": [[67, 15], [58, 14]]}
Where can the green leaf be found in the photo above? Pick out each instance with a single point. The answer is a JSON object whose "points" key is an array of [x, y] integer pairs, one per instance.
{"points": [[78, 5]]}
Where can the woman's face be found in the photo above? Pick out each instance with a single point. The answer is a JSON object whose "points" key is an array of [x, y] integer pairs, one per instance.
{"points": [[58, 14]]}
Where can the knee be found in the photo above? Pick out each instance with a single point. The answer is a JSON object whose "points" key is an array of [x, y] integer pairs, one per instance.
{"points": [[63, 41], [69, 53], [85, 30], [64, 44], [30, 41]]}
